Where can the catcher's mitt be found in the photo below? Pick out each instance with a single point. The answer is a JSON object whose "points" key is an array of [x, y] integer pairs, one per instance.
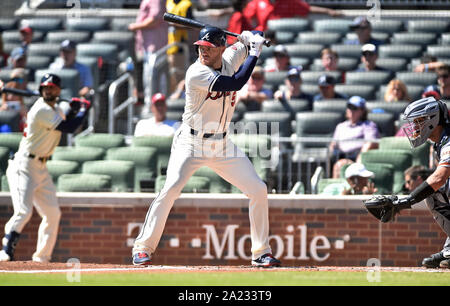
{"points": [[382, 207]]}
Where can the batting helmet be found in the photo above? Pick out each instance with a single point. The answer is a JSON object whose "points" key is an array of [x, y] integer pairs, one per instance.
{"points": [[49, 79], [211, 37]]}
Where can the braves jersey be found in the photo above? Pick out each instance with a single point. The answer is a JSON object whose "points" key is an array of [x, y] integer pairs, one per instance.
{"points": [[40, 137], [206, 110]]}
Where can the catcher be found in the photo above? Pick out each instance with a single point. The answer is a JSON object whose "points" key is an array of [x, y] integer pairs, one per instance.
{"points": [[427, 119]]}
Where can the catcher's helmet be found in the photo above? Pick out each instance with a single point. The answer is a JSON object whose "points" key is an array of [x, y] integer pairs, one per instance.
{"points": [[422, 117], [49, 79], [211, 37]]}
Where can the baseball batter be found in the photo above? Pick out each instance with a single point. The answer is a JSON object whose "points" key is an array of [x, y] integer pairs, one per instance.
{"points": [[28, 178], [211, 85]]}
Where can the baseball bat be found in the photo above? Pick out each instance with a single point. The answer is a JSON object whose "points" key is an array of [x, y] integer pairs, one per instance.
{"points": [[20, 92], [190, 23]]}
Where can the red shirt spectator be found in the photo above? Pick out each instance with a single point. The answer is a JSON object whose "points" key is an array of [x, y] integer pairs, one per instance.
{"points": [[237, 24]]}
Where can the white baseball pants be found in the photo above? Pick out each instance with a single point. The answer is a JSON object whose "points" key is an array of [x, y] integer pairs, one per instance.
{"points": [[31, 184], [188, 154]]}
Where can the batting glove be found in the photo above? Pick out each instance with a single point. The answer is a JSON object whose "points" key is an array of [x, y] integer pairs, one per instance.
{"points": [[256, 43], [245, 37]]}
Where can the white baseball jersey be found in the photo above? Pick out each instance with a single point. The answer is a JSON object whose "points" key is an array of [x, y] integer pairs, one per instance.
{"points": [[40, 137], [205, 110]]}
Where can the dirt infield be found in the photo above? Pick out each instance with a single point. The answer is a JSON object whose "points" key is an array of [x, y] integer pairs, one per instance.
{"points": [[34, 267]]}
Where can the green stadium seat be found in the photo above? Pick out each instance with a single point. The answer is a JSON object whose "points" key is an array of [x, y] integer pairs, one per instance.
{"points": [[325, 182], [304, 50], [383, 37], [195, 184], [100, 140], [445, 39], [78, 154], [414, 91], [312, 77], [8, 47], [301, 61], [428, 26], [284, 37], [268, 123], [420, 155], [438, 51], [4, 157], [383, 178], [11, 140], [417, 78], [14, 37], [120, 171], [38, 62], [297, 105], [376, 78], [406, 38], [330, 105], [365, 91], [385, 123], [176, 104], [84, 182], [399, 159], [351, 51], [123, 39], [108, 52], [43, 49], [288, 25], [163, 144], [321, 38], [7, 24], [396, 108], [315, 124], [389, 26], [92, 24], [329, 25], [174, 115], [44, 24], [216, 183], [120, 23], [393, 64], [400, 50], [4, 183], [144, 158], [310, 89], [77, 36], [56, 168], [275, 79]]}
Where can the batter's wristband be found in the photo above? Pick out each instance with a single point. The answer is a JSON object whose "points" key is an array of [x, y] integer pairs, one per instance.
{"points": [[422, 192]]}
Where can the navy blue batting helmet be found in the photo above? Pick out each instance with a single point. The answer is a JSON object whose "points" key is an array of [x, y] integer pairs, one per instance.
{"points": [[211, 37]]}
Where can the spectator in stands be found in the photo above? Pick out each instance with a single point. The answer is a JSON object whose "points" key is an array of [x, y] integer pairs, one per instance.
{"points": [[237, 22], [282, 60], [369, 56], [259, 12], [3, 55], [357, 181], [353, 136], [15, 102], [428, 63], [414, 176], [26, 35], [326, 89], [67, 59], [253, 94], [363, 29], [396, 91], [180, 34], [443, 79], [158, 125], [292, 90], [151, 35], [18, 58], [330, 59]]}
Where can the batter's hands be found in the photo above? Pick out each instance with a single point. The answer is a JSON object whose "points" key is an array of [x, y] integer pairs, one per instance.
{"points": [[245, 37], [256, 43]]}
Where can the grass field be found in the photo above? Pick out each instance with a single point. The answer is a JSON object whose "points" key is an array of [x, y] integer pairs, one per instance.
{"points": [[253, 278]]}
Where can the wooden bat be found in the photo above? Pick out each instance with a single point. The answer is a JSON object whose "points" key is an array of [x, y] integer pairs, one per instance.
{"points": [[190, 23]]}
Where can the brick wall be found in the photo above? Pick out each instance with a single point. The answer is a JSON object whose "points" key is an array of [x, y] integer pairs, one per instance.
{"points": [[305, 231]]}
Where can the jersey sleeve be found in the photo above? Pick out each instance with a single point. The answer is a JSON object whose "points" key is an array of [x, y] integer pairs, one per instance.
{"points": [[444, 158], [48, 118], [236, 55], [201, 77]]}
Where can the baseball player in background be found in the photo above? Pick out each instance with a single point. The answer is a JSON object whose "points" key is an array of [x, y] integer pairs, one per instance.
{"points": [[28, 178], [211, 85], [427, 119]]}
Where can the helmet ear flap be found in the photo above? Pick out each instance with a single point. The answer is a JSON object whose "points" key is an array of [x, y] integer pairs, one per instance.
{"points": [[443, 113]]}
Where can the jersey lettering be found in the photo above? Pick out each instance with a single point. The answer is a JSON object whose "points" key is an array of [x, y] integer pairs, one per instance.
{"points": [[219, 94]]}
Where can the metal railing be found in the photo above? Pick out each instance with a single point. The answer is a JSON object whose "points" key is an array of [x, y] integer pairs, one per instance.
{"points": [[113, 110]]}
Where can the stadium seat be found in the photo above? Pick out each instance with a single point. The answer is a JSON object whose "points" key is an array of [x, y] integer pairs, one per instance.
{"points": [[120, 171], [266, 53], [174, 115], [312, 77], [428, 26], [78, 154], [14, 37], [7, 24], [417, 78], [304, 50], [56, 168], [8, 47], [376, 78], [69, 78], [295, 25], [314, 124], [445, 39], [406, 38], [321, 38], [38, 62], [284, 37], [439, 51], [330, 105], [11, 140], [5, 154], [420, 155], [84, 182], [344, 64], [351, 51], [176, 104], [76, 36], [268, 123], [301, 61], [44, 24], [395, 108], [383, 178], [393, 64], [389, 26], [163, 144], [92, 24], [123, 39], [120, 24], [365, 91], [92, 63], [338, 25], [275, 79], [100, 140], [400, 50], [383, 37], [144, 159], [4, 183], [44, 49], [297, 105], [195, 184], [325, 182], [414, 91], [399, 159], [108, 52], [216, 183], [385, 123], [11, 118], [310, 89]]}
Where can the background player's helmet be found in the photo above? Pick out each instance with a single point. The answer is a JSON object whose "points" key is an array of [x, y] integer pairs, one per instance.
{"points": [[422, 117], [49, 79], [211, 37]]}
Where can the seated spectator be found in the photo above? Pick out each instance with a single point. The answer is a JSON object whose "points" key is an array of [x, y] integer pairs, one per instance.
{"points": [[292, 90], [396, 91], [67, 59], [330, 59], [3, 55], [15, 102], [18, 58], [237, 22], [158, 125], [363, 29], [428, 63], [369, 56], [357, 181], [443, 79], [414, 176], [282, 60], [26, 35], [353, 136], [326, 87], [253, 94]]}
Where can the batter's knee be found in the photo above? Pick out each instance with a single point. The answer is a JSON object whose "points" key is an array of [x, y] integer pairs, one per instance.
{"points": [[258, 189]]}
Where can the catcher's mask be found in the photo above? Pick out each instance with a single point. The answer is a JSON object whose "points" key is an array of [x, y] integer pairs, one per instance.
{"points": [[422, 117]]}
